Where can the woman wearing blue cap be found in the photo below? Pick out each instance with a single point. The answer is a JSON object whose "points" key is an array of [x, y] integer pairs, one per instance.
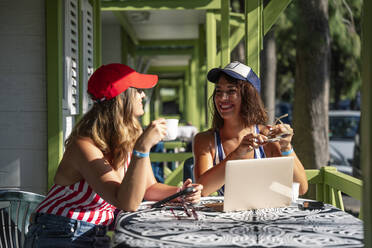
{"points": [[239, 130]]}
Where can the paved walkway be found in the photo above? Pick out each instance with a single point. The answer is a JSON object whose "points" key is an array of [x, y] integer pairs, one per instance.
{"points": [[351, 205]]}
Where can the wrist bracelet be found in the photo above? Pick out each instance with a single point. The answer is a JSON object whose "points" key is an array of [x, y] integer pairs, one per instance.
{"points": [[140, 154], [286, 153]]}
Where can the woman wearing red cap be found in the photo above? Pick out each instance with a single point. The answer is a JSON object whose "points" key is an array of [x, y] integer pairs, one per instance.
{"points": [[239, 130], [106, 144]]}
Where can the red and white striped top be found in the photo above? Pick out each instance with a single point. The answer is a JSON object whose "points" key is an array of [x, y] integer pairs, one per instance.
{"points": [[79, 202]]}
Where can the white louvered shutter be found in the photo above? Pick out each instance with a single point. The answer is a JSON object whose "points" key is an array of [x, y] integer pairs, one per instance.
{"points": [[70, 99], [71, 49], [87, 63]]}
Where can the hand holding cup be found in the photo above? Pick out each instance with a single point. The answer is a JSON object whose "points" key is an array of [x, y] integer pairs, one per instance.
{"points": [[172, 129]]}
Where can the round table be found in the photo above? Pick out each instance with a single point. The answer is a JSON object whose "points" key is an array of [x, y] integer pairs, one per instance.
{"points": [[274, 227]]}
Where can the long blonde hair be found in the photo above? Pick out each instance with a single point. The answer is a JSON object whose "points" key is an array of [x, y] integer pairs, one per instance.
{"points": [[112, 127]]}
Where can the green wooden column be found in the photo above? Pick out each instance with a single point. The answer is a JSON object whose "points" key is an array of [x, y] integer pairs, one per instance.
{"points": [[181, 94], [146, 118], [155, 103], [211, 40], [366, 121], [225, 32], [193, 96], [54, 81], [187, 110], [124, 46], [201, 84], [253, 33]]}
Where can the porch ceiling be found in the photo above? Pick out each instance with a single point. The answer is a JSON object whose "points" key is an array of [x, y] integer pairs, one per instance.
{"points": [[162, 25]]}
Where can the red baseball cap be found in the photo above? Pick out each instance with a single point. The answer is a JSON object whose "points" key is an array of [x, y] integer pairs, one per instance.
{"points": [[110, 80]]}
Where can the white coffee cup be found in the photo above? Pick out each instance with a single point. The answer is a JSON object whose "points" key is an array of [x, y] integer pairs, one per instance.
{"points": [[295, 191], [172, 129]]}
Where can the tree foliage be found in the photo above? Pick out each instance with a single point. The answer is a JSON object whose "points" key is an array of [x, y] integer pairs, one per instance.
{"points": [[344, 25]]}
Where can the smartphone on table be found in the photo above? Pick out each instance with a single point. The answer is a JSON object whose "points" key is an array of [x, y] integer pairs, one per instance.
{"points": [[311, 205], [183, 192]]}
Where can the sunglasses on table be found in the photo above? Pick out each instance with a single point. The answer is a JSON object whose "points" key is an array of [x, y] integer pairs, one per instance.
{"points": [[188, 209]]}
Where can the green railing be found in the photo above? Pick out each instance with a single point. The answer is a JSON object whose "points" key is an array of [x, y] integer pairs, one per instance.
{"points": [[330, 184], [174, 177], [174, 144], [169, 157]]}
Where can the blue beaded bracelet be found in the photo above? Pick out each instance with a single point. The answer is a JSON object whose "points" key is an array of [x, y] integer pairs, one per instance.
{"points": [[286, 153], [140, 154]]}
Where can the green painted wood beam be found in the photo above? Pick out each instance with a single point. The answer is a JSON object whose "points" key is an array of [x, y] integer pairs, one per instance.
{"points": [[330, 183], [160, 5], [202, 44], [181, 95], [347, 184], [202, 82], [235, 38], [175, 178], [253, 33], [97, 34], [270, 15], [236, 19], [175, 144], [211, 40], [167, 69], [198, 85], [338, 199], [225, 32], [170, 84], [168, 51], [182, 42], [272, 12], [192, 101], [146, 117], [157, 106], [169, 157], [124, 46], [124, 22], [187, 95], [314, 176], [366, 120], [54, 78], [132, 48]]}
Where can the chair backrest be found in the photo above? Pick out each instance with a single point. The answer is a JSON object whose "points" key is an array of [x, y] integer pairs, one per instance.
{"points": [[188, 169], [15, 210]]}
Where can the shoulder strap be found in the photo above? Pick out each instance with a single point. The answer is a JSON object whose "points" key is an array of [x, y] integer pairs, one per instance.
{"points": [[259, 152], [219, 149]]}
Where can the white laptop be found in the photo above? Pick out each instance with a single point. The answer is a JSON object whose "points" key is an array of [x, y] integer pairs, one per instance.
{"points": [[258, 183]]}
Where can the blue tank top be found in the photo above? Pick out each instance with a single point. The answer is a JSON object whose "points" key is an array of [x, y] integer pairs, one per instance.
{"points": [[220, 154]]}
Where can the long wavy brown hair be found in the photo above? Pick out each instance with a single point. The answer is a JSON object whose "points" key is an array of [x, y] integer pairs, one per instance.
{"points": [[252, 110], [112, 127]]}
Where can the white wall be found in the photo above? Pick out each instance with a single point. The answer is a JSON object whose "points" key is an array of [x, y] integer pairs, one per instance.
{"points": [[23, 110], [111, 43]]}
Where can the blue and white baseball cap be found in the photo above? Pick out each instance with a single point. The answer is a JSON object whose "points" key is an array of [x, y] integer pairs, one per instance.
{"points": [[236, 70]]}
